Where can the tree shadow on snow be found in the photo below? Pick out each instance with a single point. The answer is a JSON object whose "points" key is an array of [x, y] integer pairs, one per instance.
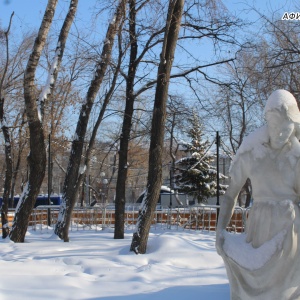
{"points": [[201, 292]]}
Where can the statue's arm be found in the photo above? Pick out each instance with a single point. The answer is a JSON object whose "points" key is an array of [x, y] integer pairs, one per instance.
{"points": [[226, 211], [237, 180], [228, 205]]}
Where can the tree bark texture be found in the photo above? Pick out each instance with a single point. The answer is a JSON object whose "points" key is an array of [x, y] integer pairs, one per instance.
{"points": [[17, 161], [59, 52], [37, 156], [8, 172], [7, 145], [126, 127], [8, 175], [100, 117], [140, 237], [70, 188]]}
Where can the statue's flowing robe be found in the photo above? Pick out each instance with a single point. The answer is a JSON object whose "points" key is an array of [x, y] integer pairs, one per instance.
{"points": [[264, 263]]}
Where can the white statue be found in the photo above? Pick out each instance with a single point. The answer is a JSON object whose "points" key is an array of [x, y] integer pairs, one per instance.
{"points": [[264, 263]]}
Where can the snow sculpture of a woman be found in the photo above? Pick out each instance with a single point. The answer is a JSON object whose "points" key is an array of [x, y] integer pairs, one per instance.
{"points": [[264, 263]]}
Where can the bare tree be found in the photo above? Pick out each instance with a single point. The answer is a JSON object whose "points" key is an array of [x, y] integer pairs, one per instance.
{"points": [[140, 237], [137, 32], [6, 135], [126, 128], [34, 111], [136, 84], [91, 144], [12, 93], [48, 90], [278, 52], [71, 179], [19, 146], [37, 156], [177, 114], [271, 62]]}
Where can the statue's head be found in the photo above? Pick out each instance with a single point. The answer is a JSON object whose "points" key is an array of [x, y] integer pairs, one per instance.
{"points": [[283, 117], [284, 101]]}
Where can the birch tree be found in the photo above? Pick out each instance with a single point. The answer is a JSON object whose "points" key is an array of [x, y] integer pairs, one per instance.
{"points": [[71, 180], [91, 144], [37, 156], [49, 87], [140, 236], [12, 69], [34, 111]]}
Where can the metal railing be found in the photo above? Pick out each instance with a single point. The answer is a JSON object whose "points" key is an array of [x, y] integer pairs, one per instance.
{"points": [[203, 218]]}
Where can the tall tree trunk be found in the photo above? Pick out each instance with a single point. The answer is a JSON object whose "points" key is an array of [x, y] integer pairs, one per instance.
{"points": [[48, 89], [8, 174], [140, 237], [7, 145], [100, 117], [126, 128], [16, 168], [37, 156], [69, 190]]}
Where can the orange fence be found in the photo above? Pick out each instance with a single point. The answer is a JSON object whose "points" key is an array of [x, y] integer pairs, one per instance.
{"points": [[188, 218]]}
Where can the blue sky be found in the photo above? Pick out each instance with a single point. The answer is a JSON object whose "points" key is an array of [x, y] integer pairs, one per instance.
{"points": [[28, 13]]}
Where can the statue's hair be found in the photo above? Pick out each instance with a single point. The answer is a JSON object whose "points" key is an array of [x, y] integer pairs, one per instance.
{"points": [[284, 101]]}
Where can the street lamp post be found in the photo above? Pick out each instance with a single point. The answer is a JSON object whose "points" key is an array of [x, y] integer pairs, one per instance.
{"points": [[171, 200], [49, 180], [103, 190], [105, 182]]}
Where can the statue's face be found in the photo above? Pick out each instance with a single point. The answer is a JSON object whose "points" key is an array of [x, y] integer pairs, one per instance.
{"points": [[280, 128]]}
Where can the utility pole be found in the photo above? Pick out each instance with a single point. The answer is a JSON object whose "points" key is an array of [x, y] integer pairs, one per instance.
{"points": [[49, 179], [218, 174], [171, 185]]}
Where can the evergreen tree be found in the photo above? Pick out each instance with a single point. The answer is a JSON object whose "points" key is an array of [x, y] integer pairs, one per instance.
{"points": [[194, 173]]}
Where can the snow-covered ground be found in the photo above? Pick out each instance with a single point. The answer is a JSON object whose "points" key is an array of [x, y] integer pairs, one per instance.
{"points": [[178, 265]]}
